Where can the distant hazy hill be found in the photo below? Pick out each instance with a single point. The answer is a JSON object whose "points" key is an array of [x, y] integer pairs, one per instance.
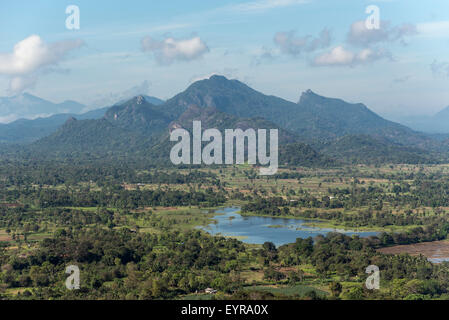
{"points": [[124, 129], [435, 124], [28, 106], [439, 123], [26, 131]]}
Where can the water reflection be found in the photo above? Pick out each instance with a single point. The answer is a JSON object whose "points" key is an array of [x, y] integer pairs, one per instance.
{"points": [[261, 229]]}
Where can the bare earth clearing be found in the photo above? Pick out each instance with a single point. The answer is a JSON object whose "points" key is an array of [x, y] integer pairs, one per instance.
{"points": [[435, 251]]}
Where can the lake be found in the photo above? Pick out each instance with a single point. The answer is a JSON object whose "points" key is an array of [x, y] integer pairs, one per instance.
{"points": [[258, 230]]}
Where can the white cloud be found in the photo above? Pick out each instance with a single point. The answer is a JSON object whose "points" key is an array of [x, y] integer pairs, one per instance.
{"points": [[13, 117], [359, 34], [31, 56], [9, 118], [293, 45], [170, 50], [339, 56]]}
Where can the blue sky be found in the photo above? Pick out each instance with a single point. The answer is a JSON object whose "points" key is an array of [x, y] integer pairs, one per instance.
{"points": [[280, 47]]}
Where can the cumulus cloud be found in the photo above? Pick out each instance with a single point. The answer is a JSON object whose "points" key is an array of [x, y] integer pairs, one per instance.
{"points": [[339, 56], [169, 50], [360, 35], [293, 45], [31, 56]]}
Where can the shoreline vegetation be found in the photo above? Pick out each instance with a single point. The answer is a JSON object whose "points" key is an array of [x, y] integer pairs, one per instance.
{"points": [[320, 223]]}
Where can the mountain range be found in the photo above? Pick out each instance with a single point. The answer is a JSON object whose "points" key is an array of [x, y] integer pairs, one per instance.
{"points": [[29, 130], [313, 117], [316, 130], [28, 106], [437, 123]]}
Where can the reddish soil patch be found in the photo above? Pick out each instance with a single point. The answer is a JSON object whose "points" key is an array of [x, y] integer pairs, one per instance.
{"points": [[5, 238], [432, 250], [10, 205], [167, 208]]}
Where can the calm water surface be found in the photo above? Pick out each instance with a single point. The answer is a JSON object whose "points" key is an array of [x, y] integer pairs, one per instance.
{"points": [[257, 229]]}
